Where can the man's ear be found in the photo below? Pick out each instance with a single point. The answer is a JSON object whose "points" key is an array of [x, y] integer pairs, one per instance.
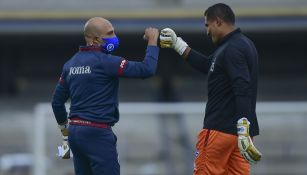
{"points": [[219, 21], [97, 40]]}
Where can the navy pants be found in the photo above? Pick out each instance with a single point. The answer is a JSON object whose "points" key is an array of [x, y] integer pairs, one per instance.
{"points": [[94, 150]]}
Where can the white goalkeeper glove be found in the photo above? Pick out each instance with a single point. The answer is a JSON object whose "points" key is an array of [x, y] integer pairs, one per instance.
{"points": [[245, 143], [64, 149], [169, 39]]}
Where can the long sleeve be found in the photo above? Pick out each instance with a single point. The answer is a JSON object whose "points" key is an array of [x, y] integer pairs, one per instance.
{"points": [[237, 69], [117, 66], [60, 96], [199, 61]]}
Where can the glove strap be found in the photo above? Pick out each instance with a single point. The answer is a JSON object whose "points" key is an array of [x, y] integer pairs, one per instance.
{"points": [[180, 46], [64, 126], [243, 127], [65, 138]]}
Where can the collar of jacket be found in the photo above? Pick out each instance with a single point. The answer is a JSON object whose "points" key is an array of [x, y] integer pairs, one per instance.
{"points": [[229, 35], [89, 48]]}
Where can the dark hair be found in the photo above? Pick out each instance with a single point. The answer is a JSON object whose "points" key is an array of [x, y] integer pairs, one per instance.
{"points": [[221, 11]]}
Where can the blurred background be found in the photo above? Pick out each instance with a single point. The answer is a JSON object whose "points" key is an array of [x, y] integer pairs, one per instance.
{"points": [[39, 36]]}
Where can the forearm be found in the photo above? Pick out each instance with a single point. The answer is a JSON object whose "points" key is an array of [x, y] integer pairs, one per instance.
{"points": [[169, 39], [197, 60], [152, 42], [243, 106], [59, 113], [150, 61], [186, 53], [145, 68], [242, 93], [59, 98]]}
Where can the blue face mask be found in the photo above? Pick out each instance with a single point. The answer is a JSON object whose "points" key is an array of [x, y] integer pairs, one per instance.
{"points": [[110, 44]]}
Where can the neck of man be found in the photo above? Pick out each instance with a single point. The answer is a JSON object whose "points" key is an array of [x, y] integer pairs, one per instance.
{"points": [[224, 30], [228, 28]]}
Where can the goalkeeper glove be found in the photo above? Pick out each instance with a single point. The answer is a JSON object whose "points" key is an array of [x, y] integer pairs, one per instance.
{"points": [[245, 143], [64, 149], [169, 39]]}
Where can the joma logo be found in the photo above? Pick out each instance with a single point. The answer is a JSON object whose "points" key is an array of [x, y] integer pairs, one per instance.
{"points": [[80, 70]]}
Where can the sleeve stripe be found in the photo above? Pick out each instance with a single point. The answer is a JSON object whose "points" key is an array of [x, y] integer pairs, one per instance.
{"points": [[122, 67]]}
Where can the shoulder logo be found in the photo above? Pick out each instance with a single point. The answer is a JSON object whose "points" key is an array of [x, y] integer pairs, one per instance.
{"points": [[122, 67], [122, 64]]}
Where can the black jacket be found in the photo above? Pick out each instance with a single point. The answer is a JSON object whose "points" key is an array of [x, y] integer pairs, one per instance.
{"points": [[232, 83]]}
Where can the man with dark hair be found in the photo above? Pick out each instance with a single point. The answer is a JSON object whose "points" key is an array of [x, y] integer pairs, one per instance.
{"points": [[221, 11], [90, 79], [224, 144]]}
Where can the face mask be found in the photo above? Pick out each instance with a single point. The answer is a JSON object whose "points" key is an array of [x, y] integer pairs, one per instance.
{"points": [[110, 44]]}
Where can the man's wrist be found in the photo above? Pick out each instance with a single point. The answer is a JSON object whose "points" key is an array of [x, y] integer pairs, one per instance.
{"points": [[180, 46], [63, 126], [152, 42], [64, 129], [243, 127], [63, 123], [186, 53]]}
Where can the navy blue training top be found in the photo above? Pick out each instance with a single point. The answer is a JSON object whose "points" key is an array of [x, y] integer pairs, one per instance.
{"points": [[91, 78], [232, 83]]}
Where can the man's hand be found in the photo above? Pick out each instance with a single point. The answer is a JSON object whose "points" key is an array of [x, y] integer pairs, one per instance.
{"points": [[169, 39], [64, 149], [245, 143], [151, 35]]}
